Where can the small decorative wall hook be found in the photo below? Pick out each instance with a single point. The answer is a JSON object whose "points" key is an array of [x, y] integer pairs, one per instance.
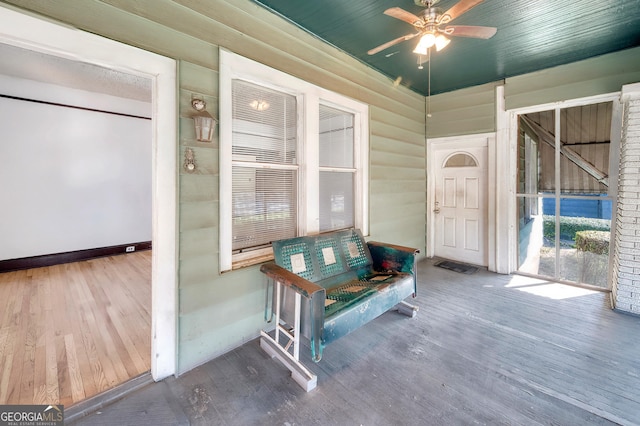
{"points": [[189, 160]]}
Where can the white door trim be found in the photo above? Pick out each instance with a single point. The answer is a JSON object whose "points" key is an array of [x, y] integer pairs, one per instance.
{"points": [[460, 143], [26, 31]]}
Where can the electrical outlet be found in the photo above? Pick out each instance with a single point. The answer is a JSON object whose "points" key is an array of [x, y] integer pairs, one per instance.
{"points": [[129, 249]]}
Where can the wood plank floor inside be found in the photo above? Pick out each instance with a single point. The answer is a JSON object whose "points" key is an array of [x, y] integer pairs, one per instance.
{"points": [[71, 331], [483, 349]]}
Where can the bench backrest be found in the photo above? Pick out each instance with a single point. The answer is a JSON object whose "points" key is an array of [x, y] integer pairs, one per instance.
{"points": [[321, 257]]}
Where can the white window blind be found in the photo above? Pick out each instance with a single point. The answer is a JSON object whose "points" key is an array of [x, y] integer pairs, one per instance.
{"points": [[337, 172], [264, 172]]}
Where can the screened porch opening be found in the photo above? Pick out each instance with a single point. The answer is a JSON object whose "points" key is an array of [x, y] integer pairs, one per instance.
{"points": [[564, 200]]}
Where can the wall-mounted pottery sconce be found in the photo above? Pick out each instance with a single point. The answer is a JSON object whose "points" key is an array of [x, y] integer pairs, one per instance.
{"points": [[204, 122], [189, 160]]}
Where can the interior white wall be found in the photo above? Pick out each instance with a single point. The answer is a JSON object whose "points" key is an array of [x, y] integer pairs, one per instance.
{"points": [[82, 178]]}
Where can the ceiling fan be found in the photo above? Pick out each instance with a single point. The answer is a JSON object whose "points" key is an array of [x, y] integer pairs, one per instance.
{"points": [[431, 26]]}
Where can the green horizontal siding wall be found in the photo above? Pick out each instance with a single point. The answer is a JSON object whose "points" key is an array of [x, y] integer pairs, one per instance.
{"points": [[472, 110], [463, 112], [218, 312], [595, 76]]}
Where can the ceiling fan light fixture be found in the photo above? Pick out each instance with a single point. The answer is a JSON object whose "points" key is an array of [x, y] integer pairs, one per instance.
{"points": [[441, 42], [426, 41], [259, 105]]}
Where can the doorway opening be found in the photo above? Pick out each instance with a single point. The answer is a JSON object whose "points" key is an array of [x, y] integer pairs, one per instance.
{"points": [[73, 327], [565, 193], [46, 37]]}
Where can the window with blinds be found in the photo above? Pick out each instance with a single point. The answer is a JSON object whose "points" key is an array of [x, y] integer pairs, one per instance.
{"points": [[264, 172], [293, 160], [337, 171]]}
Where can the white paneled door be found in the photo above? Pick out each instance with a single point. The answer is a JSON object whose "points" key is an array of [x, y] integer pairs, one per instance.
{"points": [[460, 205]]}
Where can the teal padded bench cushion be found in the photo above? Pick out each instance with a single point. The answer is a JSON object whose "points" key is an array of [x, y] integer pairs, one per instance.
{"points": [[345, 282]]}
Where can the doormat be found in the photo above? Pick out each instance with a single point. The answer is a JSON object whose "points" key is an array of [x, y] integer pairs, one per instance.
{"points": [[457, 267]]}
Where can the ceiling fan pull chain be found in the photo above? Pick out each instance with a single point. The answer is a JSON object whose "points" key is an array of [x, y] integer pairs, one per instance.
{"points": [[429, 84]]}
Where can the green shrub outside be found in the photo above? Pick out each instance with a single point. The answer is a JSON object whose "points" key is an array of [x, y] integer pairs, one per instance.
{"points": [[570, 225], [593, 241]]}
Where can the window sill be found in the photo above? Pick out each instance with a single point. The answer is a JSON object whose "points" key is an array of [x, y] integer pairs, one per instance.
{"points": [[243, 260]]}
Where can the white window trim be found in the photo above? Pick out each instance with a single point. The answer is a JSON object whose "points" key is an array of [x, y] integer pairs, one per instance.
{"points": [[233, 66]]}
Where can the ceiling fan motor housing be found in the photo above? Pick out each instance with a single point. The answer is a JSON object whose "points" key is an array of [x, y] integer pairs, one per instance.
{"points": [[426, 3], [431, 15]]}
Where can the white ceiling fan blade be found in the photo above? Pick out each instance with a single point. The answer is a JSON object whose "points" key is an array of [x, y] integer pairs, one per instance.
{"points": [[391, 43], [458, 9], [470, 31], [403, 15]]}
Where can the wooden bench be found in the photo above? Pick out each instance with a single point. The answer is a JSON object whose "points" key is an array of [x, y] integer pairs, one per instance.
{"points": [[324, 287]]}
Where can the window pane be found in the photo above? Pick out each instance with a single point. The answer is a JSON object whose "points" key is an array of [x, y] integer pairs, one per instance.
{"points": [[264, 124], [536, 254], [264, 206], [536, 153], [536, 241], [585, 135], [528, 165], [585, 225], [336, 138], [336, 201], [461, 160]]}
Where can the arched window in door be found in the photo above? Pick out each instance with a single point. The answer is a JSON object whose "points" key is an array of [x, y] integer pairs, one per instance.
{"points": [[460, 160]]}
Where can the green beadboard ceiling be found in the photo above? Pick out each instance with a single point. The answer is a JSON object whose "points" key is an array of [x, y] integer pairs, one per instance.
{"points": [[532, 35]]}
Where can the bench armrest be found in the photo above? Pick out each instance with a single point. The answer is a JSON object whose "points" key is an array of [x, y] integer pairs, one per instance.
{"points": [[313, 292], [297, 283], [390, 257]]}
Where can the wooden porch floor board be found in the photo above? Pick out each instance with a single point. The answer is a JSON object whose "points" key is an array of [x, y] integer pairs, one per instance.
{"points": [[481, 350]]}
